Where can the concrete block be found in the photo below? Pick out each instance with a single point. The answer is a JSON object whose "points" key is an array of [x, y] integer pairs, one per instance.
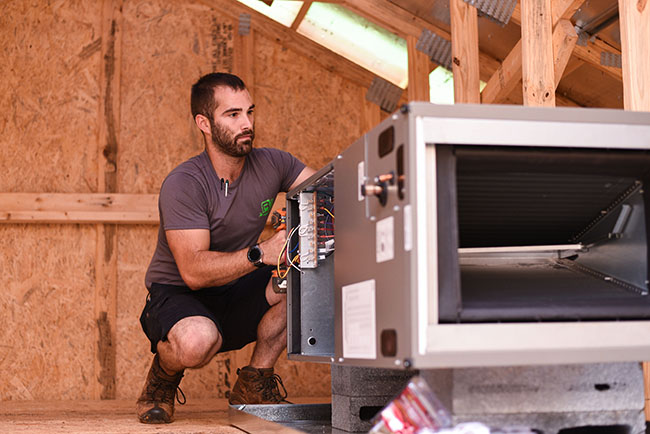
{"points": [[552, 423], [354, 413], [548, 389], [361, 381]]}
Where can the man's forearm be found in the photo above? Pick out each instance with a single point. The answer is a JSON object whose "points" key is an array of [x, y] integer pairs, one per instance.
{"points": [[216, 268]]}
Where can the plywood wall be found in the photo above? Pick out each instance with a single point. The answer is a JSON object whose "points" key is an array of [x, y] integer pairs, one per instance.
{"points": [[50, 61]]}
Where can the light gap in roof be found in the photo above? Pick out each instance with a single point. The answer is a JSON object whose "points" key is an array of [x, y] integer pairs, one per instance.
{"points": [[358, 40], [441, 86], [284, 12]]}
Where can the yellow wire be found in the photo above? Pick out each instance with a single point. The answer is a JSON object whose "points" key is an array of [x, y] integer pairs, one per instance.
{"points": [[282, 251], [328, 211], [289, 267], [284, 247]]}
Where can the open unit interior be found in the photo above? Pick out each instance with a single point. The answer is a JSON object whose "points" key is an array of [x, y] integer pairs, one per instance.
{"points": [[541, 234], [310, 265]]}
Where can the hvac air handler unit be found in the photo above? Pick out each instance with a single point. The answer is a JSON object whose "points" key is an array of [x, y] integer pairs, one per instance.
{"points": [[461, 236]]}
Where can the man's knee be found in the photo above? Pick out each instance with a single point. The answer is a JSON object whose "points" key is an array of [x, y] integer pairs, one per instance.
{"points": [[195, 340]]}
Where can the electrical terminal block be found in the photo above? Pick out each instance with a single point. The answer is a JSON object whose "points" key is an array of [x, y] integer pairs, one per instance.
{"points": [[308, 231]]}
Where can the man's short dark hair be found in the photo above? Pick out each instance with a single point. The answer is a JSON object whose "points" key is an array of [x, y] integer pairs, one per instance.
{"points": [[203, 102]]}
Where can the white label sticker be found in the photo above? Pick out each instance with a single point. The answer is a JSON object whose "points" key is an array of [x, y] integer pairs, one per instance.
{"points": [[359, 323], [361, 179], [408, 229], [385, 244]]}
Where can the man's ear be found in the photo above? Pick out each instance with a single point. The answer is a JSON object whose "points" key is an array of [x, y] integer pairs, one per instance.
{"points": [[203, 123]]}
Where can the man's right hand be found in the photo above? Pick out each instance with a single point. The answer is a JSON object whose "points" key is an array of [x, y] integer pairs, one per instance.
{"points": [[272, 248]]}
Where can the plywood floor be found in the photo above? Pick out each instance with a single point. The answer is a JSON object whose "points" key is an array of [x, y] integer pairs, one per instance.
{"points": [[197, 416]]}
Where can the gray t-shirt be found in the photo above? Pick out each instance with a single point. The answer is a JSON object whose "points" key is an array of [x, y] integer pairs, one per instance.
{"points": [[194, 197]]}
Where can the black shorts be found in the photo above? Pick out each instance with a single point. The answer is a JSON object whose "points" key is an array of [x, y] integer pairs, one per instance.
{"points": [[235, 308]]}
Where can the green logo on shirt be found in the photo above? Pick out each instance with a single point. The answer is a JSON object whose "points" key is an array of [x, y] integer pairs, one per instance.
{"points": [[266, 207]]}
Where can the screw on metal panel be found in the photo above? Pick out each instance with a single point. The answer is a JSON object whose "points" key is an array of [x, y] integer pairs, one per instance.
{"points": [[339, 157], [373, 218], [404, 109], [396, 208], [407, 363]]}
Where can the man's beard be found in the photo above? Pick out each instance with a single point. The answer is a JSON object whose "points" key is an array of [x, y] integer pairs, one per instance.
{"points": [[233, 146]]}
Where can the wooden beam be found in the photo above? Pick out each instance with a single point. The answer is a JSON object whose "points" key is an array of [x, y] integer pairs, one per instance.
{"points": [[105, 309], [301, 14], [564, 40], [561, 9], [418, 64], [465, 52], [505, 79], [299, 44], [590, 53], [635, 35], [564, 9], [537, 53], [244, 59], [79, 208]]}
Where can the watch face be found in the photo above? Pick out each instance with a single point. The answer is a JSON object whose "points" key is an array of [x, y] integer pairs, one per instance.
{"points": [[254, 254]]}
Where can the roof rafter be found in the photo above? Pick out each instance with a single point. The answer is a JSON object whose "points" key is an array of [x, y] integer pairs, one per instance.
{"points": [[508, 76], [590, 53]]}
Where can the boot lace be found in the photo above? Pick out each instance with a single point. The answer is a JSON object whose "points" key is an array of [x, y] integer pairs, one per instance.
{"points": [[166, 391], [268, 386]]}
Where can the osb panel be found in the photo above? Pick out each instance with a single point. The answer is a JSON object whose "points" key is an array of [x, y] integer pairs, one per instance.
{"points": [[49, 64], [167, 46], [301, 107], [135, 247], [47, 303]]}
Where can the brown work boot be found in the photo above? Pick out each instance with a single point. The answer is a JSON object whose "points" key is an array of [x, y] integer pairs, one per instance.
{"points": [[257, 386], [156, 403]]}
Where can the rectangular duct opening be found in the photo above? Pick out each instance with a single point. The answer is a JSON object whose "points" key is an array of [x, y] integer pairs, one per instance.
{"points": [[542, 234]]}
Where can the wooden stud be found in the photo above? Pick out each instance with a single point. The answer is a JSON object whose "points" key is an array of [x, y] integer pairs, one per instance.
{"points": [[635, 34], [564, 40], [537, 53], [79, 208], [244, 59], [419, 69], [301, 14], [106, 255], [508, 75], [505, 79], [590, 53], [465, 52]]}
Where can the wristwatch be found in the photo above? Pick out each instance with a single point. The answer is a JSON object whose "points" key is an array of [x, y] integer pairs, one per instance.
{"points": [[255, 255]]}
